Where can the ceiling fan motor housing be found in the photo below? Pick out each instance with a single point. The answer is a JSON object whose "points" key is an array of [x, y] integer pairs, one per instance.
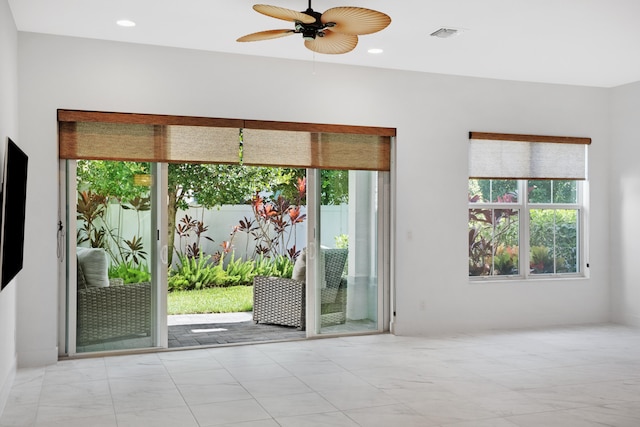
{"points": [[313, 30]]}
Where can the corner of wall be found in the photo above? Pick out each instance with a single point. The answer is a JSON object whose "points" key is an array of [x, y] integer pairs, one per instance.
{"points": [[6, 384]]}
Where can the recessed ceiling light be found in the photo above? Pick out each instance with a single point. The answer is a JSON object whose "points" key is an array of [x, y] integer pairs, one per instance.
{"points": [[375, 50], [126, 23], [444, 33]]}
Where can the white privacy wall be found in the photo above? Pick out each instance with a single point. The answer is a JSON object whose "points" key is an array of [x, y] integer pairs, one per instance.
{"points": [[8, 128], [625, 204], [432, 113]]}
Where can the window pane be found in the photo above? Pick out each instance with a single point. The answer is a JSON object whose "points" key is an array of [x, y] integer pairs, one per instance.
{"points": [[565, 192], [493, 190], [554, 241], [493, 242], [553, 191], [539, 191]]}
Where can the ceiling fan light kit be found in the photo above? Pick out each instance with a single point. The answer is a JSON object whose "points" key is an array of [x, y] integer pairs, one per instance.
{"points": [[335, 31]]}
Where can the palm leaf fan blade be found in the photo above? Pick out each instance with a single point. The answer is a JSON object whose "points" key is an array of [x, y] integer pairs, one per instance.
{"points": [[284, 13], [265, 35], [332, 43], [355, 20]]}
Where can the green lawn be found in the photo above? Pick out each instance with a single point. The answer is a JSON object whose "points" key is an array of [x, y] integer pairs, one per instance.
{"points": [[211, 300]]}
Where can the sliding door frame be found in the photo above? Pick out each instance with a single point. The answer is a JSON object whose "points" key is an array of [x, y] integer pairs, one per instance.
{"points": [[355, 137]]}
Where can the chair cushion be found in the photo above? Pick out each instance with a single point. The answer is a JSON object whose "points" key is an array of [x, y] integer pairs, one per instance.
{"points": [[94, 263], [300, 267], [81, 282]]}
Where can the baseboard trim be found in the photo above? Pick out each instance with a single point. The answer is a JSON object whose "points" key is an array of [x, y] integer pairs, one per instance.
{"points": [[7, 383], [38, 358]]}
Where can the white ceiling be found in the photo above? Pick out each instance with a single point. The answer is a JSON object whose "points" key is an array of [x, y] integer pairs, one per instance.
{"points": [[580, 42]]}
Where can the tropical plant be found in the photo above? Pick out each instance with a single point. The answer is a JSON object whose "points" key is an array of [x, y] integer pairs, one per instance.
{"points": [[94, 230], [209, 185], [203, 271], [541, 260], [274, 225], [130, 273], [278, 266], [505, 261], [195, 273], [488, 229], [190, 231]]}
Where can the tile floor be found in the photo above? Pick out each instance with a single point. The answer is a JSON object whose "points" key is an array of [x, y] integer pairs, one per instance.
{"points": [[565, 377]]}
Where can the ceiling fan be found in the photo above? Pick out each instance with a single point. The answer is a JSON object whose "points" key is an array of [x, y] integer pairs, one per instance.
{"points": [[333, 32]]}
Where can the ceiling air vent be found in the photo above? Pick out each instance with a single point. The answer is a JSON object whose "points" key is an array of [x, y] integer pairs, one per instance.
{"points": [[444, 33]]}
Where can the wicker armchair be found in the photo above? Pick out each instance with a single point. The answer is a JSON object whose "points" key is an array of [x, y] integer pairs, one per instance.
{"points": [[281, 301], [106, 308], [113, 312]]}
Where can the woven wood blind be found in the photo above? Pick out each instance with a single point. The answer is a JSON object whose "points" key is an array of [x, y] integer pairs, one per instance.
{"points": [[508, 156], [150, 143], [317, 150], [178, 139]]}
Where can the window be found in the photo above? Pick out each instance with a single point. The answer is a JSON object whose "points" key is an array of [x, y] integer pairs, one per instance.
{"points": [[511, 221], [526, 205]]}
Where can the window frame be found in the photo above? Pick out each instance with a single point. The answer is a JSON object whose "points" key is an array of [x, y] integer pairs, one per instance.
{"points": [[524, 207]]}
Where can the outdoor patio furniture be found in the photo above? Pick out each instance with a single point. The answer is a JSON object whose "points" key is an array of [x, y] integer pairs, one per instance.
{"points": [[108, 309], [282, 301]]}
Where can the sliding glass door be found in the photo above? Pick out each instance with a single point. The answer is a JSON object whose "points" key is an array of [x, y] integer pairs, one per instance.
{"points": [[113, 297], [117, 213], [350, 273]]}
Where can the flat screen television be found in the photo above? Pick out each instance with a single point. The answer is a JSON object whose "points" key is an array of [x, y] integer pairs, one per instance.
{"points": [[14, 195]]}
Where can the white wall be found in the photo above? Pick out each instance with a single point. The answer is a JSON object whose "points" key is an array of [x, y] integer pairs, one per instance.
{"points": [[8, 128], [433, 115], [625, 204]]}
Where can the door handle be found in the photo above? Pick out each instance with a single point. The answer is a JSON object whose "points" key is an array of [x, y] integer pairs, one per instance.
{"points": [[164, 254]]}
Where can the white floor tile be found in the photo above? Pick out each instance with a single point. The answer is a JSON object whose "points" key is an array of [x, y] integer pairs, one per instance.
{"points": [[392, 415], [357, 397], [565, 377], [285, 386], [211, 393], [297, 404], [164, 417], [331, 419], [213, 414]]}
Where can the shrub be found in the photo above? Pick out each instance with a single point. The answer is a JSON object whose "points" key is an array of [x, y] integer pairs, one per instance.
{"points": [[130, 273], [201, 272]]}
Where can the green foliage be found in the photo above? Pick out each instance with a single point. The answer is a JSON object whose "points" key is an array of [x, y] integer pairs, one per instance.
{"points": [[556, 229], [489, 190], [113, 180], [334, 187], [215, 185], [541, 260], [342, 241], [553, 191], [239, 272], [232, 299], [505, 261], [130, 273], [553, 232], [200, 272], [489, 229], [278, 266], [195, 273]]}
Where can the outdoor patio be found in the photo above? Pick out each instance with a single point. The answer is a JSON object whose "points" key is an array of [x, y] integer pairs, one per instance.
{"points": [[228, 328], [194, 330]]}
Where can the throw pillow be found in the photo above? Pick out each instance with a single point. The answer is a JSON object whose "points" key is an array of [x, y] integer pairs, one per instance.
{"points": [[81, 282], [300, 267], [95, 266]]}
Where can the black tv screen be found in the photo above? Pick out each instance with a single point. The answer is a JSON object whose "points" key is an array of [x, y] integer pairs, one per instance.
{"points": [[14, 194]]}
